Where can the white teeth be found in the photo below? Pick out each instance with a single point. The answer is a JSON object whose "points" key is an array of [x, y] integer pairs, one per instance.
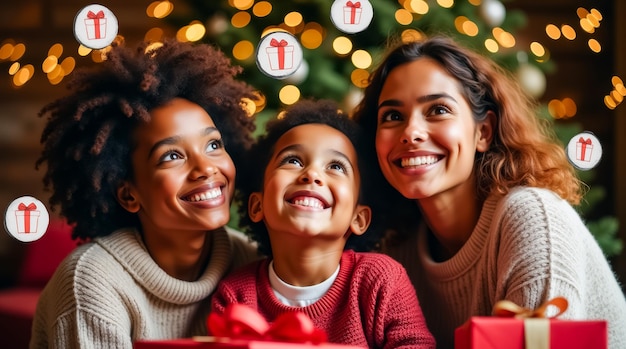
{"points": [[309, 202], [207, 195], [419, 160]]}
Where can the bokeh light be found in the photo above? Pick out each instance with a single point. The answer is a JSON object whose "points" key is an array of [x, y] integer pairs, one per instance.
{"points": [[289, 94], [262, 9]]}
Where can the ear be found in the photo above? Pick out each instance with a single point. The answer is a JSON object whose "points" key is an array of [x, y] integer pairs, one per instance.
{"points": [[486, 129], [361, 219], [126, 198], [255, 209]]}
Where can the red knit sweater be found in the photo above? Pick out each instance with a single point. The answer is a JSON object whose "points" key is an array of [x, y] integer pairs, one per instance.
{"points": [[371, 303]]}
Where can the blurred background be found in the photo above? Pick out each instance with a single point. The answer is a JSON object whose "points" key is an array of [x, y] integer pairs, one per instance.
{"points": [[569, 54]]}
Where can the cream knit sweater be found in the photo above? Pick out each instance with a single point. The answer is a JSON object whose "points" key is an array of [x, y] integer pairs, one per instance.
{"points": [[527, 247], [109, 293]]}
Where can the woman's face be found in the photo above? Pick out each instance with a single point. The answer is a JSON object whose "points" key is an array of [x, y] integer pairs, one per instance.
{"points": [[426, 137], [183, 177]]}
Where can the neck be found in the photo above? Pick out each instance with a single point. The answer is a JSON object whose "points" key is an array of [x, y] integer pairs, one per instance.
{"points": [[305, 266], [182, 256]]}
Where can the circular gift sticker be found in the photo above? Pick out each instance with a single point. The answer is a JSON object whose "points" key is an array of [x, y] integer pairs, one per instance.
{"points": [[584, 150], [95, 26], [279, 55], [26, 219], [351, 16]]}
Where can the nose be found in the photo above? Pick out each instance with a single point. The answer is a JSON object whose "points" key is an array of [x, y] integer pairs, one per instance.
{"points": [[202, 168], [415, 131], [310, 175]]}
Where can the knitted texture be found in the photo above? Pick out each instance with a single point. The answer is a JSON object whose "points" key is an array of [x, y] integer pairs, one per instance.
{"points": [[109, 293], [528, 246], [371, 303]]}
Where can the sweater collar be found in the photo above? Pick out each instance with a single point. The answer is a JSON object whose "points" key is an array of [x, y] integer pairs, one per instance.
{"points": [[126, 246]]}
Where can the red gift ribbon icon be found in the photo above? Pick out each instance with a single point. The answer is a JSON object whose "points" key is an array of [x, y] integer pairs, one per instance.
{"points": [[96, 20], [27, 209], [353, 7], [583, 148], [242, 322], [281, 51]]}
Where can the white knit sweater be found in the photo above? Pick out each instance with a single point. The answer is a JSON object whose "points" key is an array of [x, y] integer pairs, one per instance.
{"points": [[109, 293], [528, 247]]}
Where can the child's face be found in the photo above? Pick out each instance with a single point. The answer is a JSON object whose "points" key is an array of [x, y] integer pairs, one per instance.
{"points": [[311, 186], [426, 137], [183, 176]]}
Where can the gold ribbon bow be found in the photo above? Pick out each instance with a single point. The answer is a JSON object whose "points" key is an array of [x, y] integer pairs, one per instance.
{"points": [[536, 321]]}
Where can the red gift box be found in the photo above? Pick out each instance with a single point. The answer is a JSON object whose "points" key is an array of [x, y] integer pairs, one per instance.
{"points": [[352, 13], [280, 55], [525, 329], [96, 25], [27, 218], [213, 343]]}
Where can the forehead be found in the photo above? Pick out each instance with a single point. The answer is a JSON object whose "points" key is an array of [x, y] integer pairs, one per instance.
{"points": [[418, 78], [319, 137]]}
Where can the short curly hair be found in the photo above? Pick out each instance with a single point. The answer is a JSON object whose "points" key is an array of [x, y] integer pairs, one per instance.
{"points": [[87, 138], [305, 111]]}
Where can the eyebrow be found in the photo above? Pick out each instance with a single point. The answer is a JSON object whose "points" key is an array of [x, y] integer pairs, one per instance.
{"points": [[177, 139], [296, 147], [421, 99]]}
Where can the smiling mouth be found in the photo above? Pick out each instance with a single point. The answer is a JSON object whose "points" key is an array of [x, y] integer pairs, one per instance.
{"points": [[418, 161], [308, 202], [207, 195]]}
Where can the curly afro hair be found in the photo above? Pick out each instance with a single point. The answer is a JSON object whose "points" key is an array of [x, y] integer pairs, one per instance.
{"points": [[306, 111], [87, 138]]}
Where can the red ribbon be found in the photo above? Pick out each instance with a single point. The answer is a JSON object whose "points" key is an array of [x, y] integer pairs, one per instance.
{"points": [[281, 51], [353, 7], [96, 20], [584, 143], [242, 322], [26, 209]]}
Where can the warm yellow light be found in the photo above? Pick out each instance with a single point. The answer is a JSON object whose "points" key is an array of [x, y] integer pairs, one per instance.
{"points": [[289, 94], [609, 102], [475, 2], [586, 25], [293, 19], [163, 9], [596, 14], [49, 64], [83, 50], [153, 46], [342, 45], [418, 6], [411, 35], [23, 75], [445, 3], [248, 105], [492, 46], [404, 17], [556, 108], [311, 38], [568, 32], [243, 4], [594, 45], [620, 89], [553, 31], [458, 23], [55, 73], [6, 51], [55, 50], [154, 34], [260, 101], [14, 68], [570, 107], [359, 78], [537, 49], [617, 96], [581, 12], [504, 38], [195, 32], [68, 65], [240, 19], [470, 28], [243, 50], [361, 59], [262, 9], [18, 52], [616, 80]]}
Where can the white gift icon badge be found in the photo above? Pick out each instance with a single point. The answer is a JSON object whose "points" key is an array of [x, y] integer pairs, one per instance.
{"points": [[26, 219], [351, 16], [279, 55], [95, 26], [584, 151]]}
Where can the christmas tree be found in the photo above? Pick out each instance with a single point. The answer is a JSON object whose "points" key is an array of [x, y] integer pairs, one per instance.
{"points": [[335, 64]]}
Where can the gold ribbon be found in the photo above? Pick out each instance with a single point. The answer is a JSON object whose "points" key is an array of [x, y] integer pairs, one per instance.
{"points": [[536, 321]]}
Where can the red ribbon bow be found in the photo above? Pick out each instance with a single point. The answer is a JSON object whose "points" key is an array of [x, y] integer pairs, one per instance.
{"points": [[355, 5], [98, 15], [584, 141], [30, 207], [242, 322]]}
